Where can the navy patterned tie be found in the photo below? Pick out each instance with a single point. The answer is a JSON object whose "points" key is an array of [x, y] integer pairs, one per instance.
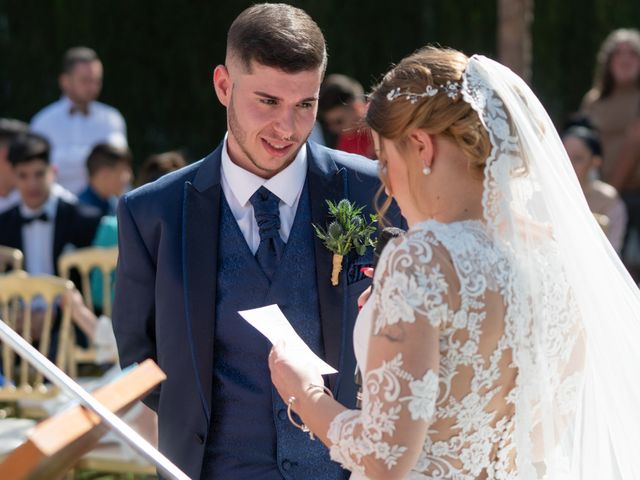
{"points": [[267, 213]]}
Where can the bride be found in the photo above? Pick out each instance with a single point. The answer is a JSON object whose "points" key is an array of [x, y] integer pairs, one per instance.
{"points": [[501, 339]]}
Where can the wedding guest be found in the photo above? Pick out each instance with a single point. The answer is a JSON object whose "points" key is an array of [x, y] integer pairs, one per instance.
{"points": [[613, 106], [109, 169], [342, 109], [158, 165], [613, 103], [317, 134], [234, 232], [154, 167], [9, 195], [9, 129], [585, 152], [77, 122], [42, 224]]}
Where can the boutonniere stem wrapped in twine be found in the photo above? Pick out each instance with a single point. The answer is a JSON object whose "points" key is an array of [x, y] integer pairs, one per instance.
{"points": [[347, 230]]}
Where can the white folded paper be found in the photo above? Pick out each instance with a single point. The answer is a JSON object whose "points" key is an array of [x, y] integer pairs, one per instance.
{"points": [[271, 322]]}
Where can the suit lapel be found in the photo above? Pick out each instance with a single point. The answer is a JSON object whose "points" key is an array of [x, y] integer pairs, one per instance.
{"points": [[200, 219], [61, 223], [12, 236], [327, 182]]}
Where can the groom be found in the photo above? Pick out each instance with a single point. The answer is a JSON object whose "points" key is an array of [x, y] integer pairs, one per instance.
{"points": [[233, 232]]}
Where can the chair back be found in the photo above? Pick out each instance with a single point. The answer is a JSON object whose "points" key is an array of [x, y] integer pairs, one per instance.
{"points": [[85, 260], [10, 258], [17, 308]]}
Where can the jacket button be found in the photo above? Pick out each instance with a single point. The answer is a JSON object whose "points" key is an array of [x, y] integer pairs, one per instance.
{"points": [[282, 414], [286, 465], [200, 438]]}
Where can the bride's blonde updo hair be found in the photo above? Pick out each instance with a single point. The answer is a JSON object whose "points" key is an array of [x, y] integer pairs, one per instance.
{"points": [[440, 114]]}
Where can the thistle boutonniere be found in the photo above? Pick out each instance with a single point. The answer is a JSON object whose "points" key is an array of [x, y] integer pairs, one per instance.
{"points": [[347, 230]]}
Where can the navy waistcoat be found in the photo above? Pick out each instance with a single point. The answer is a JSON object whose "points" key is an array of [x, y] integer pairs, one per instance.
{"points": [[250, 435]]}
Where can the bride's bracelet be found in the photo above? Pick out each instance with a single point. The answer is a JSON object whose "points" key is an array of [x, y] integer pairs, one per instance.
{"points": [[290, 402]]}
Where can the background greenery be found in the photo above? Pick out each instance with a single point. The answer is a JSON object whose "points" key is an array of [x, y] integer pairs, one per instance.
{"points": [[159, 55]]}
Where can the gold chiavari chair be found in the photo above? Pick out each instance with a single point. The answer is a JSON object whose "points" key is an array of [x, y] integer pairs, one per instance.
{"points": [[10, 258], [85, 261], [28, 305]]}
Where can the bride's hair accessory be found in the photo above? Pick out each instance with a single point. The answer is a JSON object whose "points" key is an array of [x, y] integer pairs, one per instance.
{"points": [[452, 89]]}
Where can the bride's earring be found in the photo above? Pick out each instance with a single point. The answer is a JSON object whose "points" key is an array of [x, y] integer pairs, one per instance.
{"points": [[426, 170]]}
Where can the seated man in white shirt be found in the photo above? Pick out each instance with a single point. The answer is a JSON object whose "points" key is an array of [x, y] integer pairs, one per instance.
{"points": [[77, 122]]}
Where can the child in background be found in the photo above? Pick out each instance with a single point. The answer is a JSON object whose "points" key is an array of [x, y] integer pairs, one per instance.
{"points": [[110, 174]]}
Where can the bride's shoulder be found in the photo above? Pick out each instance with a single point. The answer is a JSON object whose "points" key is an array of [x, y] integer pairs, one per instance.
{"points": [[415, 277], [445, 238], [418, 237], [421, 245]]}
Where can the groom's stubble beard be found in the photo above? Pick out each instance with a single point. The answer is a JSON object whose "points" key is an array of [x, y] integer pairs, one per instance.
{"points": [[241, 139]]}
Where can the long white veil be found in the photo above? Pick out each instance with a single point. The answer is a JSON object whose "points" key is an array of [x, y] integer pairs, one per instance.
{"points": [[574, 312]]}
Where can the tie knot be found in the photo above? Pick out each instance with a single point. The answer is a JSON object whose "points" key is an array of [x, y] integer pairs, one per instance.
{"points": [[264, 198], [266, 208]]}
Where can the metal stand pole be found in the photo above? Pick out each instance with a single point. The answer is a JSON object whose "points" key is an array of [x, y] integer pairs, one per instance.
{"points": [[65, 383]]}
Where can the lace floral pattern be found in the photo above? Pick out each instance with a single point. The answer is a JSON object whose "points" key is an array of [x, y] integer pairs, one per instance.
{"points": [[454, 279], [413, 282], [380, 415]]}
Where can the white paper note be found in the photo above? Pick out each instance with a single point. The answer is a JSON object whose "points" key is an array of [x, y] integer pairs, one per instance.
{"points": [[271, 322]]}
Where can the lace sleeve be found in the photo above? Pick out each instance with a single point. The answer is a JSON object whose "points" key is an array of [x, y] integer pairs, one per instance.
{"points": [[413, 296]]}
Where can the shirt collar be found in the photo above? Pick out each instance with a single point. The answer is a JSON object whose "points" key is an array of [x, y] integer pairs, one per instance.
{"points": [[49, 208], [71, 108], [286, 184]]}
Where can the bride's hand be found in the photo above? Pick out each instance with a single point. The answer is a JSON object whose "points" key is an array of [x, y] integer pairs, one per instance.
{"points": [[291, 378]]}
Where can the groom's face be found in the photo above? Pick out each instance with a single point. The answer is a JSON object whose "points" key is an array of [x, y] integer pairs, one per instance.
{"points": [[270, 113]]}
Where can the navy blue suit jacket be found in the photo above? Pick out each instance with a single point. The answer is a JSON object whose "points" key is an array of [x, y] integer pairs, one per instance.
{"points": [[166, 287]]}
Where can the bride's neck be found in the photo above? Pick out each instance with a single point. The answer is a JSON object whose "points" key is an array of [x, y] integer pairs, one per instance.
{"points": [[452, 201]]}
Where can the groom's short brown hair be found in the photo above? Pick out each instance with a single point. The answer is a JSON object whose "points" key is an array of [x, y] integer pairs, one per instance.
{"points": [[278, 36]]}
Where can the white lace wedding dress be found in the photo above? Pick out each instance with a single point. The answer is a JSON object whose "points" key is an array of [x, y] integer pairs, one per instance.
{"points": [[441, 390]]}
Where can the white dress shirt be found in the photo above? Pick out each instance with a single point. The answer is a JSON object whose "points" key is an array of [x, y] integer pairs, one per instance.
{"points": [[37, 238], [72, 136], [238, 185]]}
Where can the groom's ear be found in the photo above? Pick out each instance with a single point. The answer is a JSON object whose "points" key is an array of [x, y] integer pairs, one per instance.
{"points": [[222, 84]]}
